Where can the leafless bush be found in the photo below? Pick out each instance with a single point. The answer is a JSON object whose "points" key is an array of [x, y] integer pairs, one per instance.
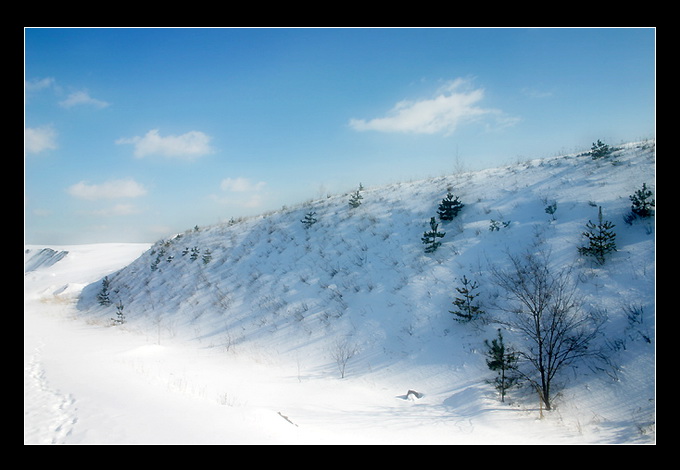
{"points": [[343, 350]]}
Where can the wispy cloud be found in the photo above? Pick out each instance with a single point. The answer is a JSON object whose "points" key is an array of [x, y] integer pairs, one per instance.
{"points": [[454, 104], [114, 189], [187, 146], [39, 139], [241, 185], [536, 93], [75, 98], [80, 98], [241, 192], [38, 84], [41, 212], [118, 209]]}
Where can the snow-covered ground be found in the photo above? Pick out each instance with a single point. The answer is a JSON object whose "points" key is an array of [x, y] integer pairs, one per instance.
{"points": [[240, 349]]}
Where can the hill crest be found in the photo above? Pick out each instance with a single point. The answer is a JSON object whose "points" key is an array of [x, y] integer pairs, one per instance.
{"points": [[269, 287]]}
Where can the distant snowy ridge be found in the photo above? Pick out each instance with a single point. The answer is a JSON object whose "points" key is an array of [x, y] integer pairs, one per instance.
{"points": [[42, 258]]}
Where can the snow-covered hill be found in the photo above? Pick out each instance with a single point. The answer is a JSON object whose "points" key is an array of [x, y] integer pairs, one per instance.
{"points": [[251, 315]]}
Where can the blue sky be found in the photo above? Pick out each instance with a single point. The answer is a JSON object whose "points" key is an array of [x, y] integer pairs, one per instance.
{"points": [[132, 135]]}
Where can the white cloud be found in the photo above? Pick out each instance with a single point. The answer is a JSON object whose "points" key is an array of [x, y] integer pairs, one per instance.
{"points": [[39, 139], [455, 104], [114, 189], [187, 146], [242, 192], [536, 93], [118, 209], [39, 84], [42, 212], [82, 98], [241, 185]]}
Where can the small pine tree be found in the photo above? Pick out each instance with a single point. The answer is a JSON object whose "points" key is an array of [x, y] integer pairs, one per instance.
{"points": [[429, 239], [495, 225], [159, 258], [355, 200], [194, 253], [207, 256], [600, 150], [643, 204], [120, 316], [449, 207], [551, 209], [467, 308], [309, 219], [103, 296], [503, 361], [601, 237]]}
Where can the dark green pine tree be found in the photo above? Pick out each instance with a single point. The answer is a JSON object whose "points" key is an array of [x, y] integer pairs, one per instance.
{"points": [[120, 316], [449, 207], [600, 150], [643, 204], [207, 256], [429, 239], [503, 361], [601, 238], [309, 219], [103, 296], [467, 308], [355, 200]]}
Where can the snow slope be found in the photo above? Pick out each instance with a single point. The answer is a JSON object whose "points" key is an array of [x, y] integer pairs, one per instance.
{"points": [[241, 347]]}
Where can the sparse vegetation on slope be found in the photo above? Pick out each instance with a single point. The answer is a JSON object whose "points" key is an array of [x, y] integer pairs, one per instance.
{"points": [[273, 285]]}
